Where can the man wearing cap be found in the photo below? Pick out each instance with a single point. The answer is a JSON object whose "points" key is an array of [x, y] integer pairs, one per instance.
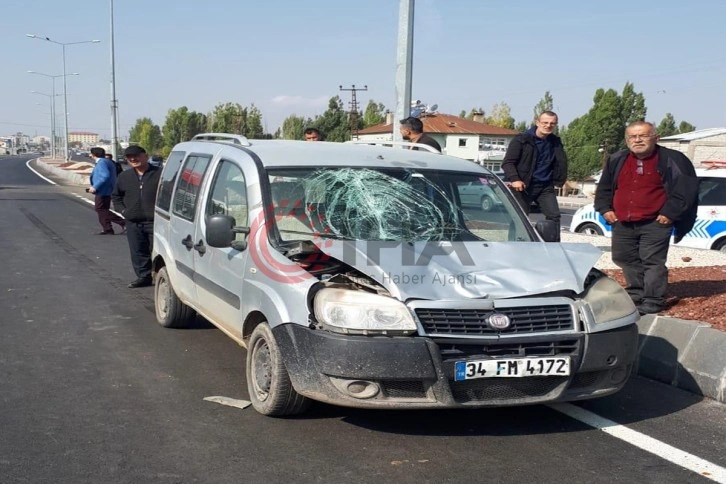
{"points": [[412, 130], [135, 197]]}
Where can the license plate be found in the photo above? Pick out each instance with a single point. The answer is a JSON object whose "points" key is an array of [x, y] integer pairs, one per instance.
{"points": [[514, 368]]}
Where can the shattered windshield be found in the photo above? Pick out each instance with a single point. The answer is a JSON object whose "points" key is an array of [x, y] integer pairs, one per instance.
{"points": [[392, 204]]}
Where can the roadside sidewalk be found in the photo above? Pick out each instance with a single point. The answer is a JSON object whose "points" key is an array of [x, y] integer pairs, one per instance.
{"points": [[687, 354]]}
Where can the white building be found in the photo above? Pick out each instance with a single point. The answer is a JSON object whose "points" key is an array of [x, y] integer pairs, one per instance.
{"points": [[469, 139], [700, 145]]}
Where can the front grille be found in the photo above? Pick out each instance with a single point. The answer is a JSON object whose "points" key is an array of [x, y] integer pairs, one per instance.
{"points": [[495, 390], [404, 388], [524, 320], [543, 348]]}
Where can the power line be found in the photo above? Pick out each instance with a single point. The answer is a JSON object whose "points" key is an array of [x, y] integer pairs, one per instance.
{"points": [[353, 115]]}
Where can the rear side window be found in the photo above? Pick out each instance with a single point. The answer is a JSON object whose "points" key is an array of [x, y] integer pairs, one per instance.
{"points": [[168, 178], [712, 191], [190, 175]]}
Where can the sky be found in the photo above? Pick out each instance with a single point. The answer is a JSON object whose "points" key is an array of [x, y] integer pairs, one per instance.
{"points": [[290, 57]]}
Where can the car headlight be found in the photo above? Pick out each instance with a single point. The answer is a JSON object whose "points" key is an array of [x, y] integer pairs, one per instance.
{"points": [[608, 301], [357, 312]]}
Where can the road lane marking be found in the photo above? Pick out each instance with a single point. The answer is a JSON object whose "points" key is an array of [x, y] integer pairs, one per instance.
{"points": [[679, 457], [27, 163]]}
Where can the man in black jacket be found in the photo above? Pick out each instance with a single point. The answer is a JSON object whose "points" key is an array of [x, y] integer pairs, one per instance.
{"points": [[646, 193], [412, 130], [134, 196], [535, 163]]}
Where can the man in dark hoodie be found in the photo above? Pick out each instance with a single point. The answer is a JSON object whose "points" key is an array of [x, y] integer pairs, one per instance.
{"points": [[134, 196], [646, 193], [535, 163]]}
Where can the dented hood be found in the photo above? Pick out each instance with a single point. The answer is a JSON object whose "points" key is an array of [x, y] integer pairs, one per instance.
{"points": [[456, 270]]}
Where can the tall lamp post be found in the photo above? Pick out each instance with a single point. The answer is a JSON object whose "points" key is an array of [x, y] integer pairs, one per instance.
{"points": [[114, 101], [65, 87], [52, 106]]}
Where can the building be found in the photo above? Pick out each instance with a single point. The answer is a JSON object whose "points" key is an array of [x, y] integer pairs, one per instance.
{"points": [[83, 137], [469, 139], [700, 145]]}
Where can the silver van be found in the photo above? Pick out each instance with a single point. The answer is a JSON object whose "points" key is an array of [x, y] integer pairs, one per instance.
{"points": [[356, 275]]}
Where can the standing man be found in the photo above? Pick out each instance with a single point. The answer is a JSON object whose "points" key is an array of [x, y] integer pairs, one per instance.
{"points": [[646, 193], [534, 164], [312, 134], [135, 197], [103, 179], [412, 130]]}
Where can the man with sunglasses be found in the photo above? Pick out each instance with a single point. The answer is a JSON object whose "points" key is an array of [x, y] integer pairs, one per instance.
{"points": [[647, 193]]}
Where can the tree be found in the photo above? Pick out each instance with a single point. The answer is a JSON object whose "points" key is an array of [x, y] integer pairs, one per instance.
{"points": [[544, 104], [182, 125], [501, 116], [667, 126], [633, 105], [521, 126], [462, 113], [253, 127], [374, 113], [685, 127], [147, 135], [293, 127], [236, 119], [333, 123]]}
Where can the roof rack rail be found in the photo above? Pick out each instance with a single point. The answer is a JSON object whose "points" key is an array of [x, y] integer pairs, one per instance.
{"points": [[396, 143], [236, 139]]}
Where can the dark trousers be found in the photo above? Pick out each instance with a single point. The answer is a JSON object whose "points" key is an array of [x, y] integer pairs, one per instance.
{"points": [[105, 215], [141, 239], [641, 250], [545, 196]]}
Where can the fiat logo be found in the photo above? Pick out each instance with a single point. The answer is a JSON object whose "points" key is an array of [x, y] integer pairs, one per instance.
{"points": [[498, 321]]}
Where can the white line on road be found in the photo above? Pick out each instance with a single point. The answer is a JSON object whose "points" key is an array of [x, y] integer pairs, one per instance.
{"points": [[681, 458], [27, 163]]}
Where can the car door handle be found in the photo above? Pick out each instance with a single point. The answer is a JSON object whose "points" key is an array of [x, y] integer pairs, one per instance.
{"points": [[200, 247], [187, 242]]}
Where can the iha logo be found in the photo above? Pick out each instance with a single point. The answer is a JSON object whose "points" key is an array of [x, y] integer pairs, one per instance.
{"points": [[275, 265]]}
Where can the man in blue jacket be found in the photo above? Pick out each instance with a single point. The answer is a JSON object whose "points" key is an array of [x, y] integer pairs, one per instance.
{"points": [[103, 179]]}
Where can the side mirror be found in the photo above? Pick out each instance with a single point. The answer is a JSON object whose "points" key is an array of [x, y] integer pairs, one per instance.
{"points": [[221, 232], [548, 230]]}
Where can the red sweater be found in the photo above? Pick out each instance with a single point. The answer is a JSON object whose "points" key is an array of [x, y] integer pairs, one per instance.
{"points": [[640, 193]]}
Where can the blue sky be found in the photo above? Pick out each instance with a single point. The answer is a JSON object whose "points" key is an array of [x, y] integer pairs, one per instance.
{"points": [[290, 56]]}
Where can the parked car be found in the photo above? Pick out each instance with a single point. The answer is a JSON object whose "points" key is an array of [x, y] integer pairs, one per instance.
{"points": [[479, 194], [353, 276], [156, 160], [709, 231]]}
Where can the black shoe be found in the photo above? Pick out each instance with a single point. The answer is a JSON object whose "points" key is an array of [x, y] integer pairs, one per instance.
{"points": [[650, 308], [140, 282], [105, 232]]}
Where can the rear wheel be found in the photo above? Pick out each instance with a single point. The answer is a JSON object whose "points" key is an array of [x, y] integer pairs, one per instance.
{"points": [[170, 311], [589, 229], [720, 245], [268, 382], [486, 203]]}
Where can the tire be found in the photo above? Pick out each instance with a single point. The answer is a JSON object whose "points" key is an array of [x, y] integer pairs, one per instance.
{"points": [[170, 311], [487, 204], [268, 382], [589, 229], [720, 245]]}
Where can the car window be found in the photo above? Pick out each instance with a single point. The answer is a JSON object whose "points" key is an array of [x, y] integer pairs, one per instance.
{"points": [[712, 191], [189, 184], [168, 178], [391, 204], [228, 194]]}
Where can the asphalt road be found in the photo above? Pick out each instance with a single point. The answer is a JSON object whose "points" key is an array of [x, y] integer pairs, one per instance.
{"points": [[93, 390]]}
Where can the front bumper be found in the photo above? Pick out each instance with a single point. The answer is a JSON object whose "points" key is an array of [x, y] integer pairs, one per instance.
{"points": [[418, 372]]}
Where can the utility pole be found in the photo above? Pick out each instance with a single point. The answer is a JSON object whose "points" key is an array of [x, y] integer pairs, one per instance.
{"points": [[604, 149], [404, 64], [353, 117], [114, 101]]}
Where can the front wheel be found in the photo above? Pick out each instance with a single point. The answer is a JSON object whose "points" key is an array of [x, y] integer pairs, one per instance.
{"points": [[589, 229], [486, 203], [268, 382], [720, 245]]}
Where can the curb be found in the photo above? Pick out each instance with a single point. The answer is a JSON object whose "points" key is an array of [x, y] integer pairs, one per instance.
{"points": [[686, 354], [73, 177]]}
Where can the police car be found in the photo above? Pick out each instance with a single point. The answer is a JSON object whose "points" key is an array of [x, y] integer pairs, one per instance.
{"points": [[709, 232]]}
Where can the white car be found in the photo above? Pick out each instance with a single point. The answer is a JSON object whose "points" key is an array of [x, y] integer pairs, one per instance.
{"points": [[709, 232]]}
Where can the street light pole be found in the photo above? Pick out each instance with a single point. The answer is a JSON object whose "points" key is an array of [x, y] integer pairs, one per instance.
{"points": [[114, 101], [52, 118], [53, 125], [65, 86]]}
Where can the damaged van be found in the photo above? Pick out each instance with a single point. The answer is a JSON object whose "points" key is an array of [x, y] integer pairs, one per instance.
{"points": [[362, 276]]}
